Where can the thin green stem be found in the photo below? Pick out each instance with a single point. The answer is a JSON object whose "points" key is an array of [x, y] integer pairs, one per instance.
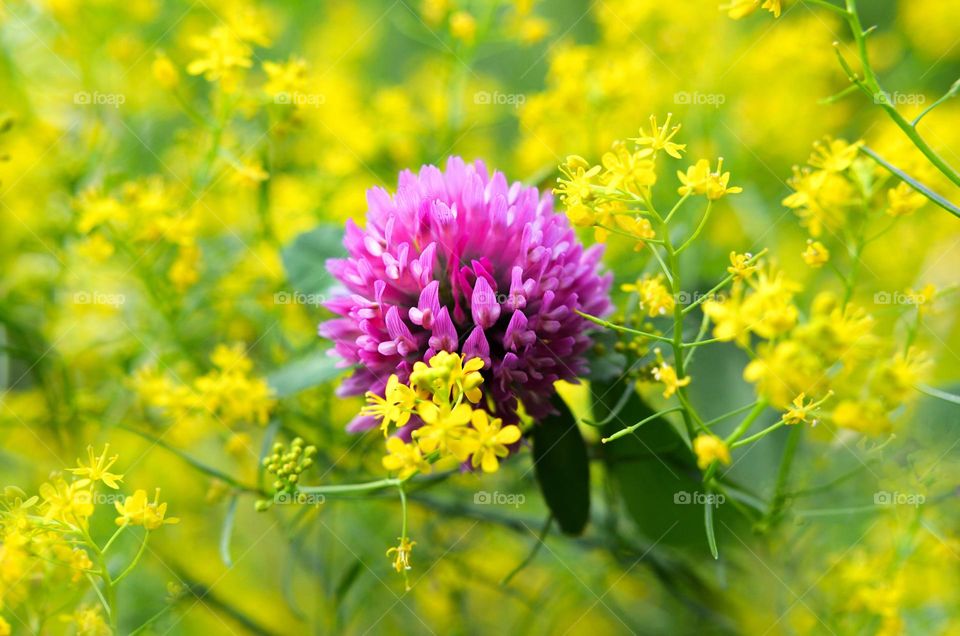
{"points": [[738, 411], [704, 297], [744, 425], [696, 232], [829, 6], [113, 538], [136, 559], [616, 327], [758, 436], [676, 207], [632, 428], [347, 488]]}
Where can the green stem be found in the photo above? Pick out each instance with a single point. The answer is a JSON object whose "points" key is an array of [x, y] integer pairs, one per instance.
{"points": [[345, 488], [113, 538], [744, 426], [136, 559], [758, 436], [632, 428], [704, 297], [616, 327], [696, 232], [783, 475]]}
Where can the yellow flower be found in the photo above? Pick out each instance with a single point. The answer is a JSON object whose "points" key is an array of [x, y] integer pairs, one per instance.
{"points": [[739, 266], [395, 408], [165, 72], [627, 171], [781, 371], [449, 376], [708, 449], [668, 376], [97, 469], [866, 416], [833, 155], [4, 627], [742, 8], [285, 78], [404, 459], [699, 179], [903, 200], [67, 503], [136, 510], [403, 551], [659, 138], [654, 296], [463, 26], [96, 248], [730, 321], [797, 414], [223, 56], [821, 199], [491, 440], [816, 254], [88, 621], [444, 429], [577, 188]]}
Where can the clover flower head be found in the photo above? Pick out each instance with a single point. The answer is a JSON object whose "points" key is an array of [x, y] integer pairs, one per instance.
{"points": [[462, 262]]}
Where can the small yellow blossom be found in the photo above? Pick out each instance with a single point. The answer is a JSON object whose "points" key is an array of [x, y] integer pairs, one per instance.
{"points": [[96, 248], [136, 510], [404, 459], [834, 155], [737, 9], [165, 72], [463, 26], [67, 503], [627, 171], [710, 448], [903, 200], [395, 408], [575, 188], [659, 137], [402, 552], [285, 79], [654, 296], [97, 469], [223, 56], [4, 627], [816, 254], [699, 179], [740, 266], [491, 440], [444, 429], [668, 376]]}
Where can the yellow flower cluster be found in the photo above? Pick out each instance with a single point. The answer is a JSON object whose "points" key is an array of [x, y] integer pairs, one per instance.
{"points": [[46, 542], [442, 394], [616, 196], [229, 394], [839, 188]]}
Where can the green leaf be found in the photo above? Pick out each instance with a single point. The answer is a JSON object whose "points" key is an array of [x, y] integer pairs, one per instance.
{"points": [[711, 531], [304, 259], [653, 470], [562, 469], [303, 374], [226, 533]]}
